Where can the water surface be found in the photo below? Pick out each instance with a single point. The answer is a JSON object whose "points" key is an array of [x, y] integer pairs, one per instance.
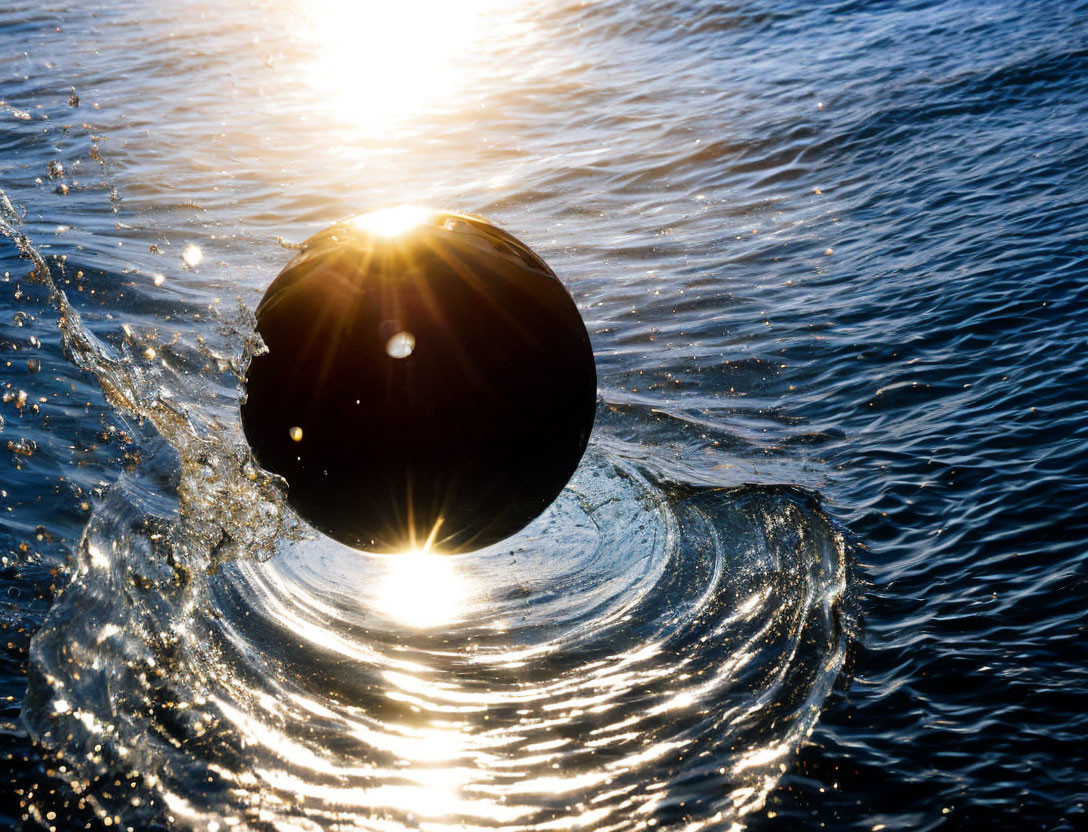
{"points": [[831, 260]]}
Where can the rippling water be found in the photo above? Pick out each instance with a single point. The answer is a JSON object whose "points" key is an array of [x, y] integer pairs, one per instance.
{"points": [[831, 257]]}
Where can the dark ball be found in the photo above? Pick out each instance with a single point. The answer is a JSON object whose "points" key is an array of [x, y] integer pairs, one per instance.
{"points": [[428, 382]]}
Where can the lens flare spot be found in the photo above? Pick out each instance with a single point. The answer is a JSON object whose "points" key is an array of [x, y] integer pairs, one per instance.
{"points": [[401, 345]]}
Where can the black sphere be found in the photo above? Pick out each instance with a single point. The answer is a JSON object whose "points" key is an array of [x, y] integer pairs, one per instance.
{"points": [[428, 382]]}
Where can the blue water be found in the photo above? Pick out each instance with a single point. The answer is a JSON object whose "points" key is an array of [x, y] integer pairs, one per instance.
{"points": [[824, 565]]}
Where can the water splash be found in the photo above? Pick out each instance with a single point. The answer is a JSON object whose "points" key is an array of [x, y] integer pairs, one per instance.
{"points": [[225, 500]]}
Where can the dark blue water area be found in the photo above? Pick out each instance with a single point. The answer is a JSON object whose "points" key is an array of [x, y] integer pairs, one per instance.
{"points": [[835, 246]]}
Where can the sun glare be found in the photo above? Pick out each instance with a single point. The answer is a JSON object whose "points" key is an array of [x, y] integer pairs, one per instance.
{"points": [[379, 63], [422, 590], [392, 222]]}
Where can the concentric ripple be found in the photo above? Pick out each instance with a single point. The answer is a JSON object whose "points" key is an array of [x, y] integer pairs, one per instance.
{"points": [[646, 652]]}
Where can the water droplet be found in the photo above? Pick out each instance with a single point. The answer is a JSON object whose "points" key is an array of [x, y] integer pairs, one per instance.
{"points": [[192, 256], [296, 433]]}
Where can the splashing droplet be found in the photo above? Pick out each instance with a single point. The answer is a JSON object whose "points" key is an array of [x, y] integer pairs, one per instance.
{"points": [[296, 433], [192, 256]]}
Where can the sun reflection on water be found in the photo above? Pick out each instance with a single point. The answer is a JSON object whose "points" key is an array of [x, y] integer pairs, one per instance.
{"points": [[422, 590], [380, 63]]}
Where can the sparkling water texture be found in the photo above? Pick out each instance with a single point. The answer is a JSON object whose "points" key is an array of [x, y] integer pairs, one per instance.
{"points": [[824, 563]]}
